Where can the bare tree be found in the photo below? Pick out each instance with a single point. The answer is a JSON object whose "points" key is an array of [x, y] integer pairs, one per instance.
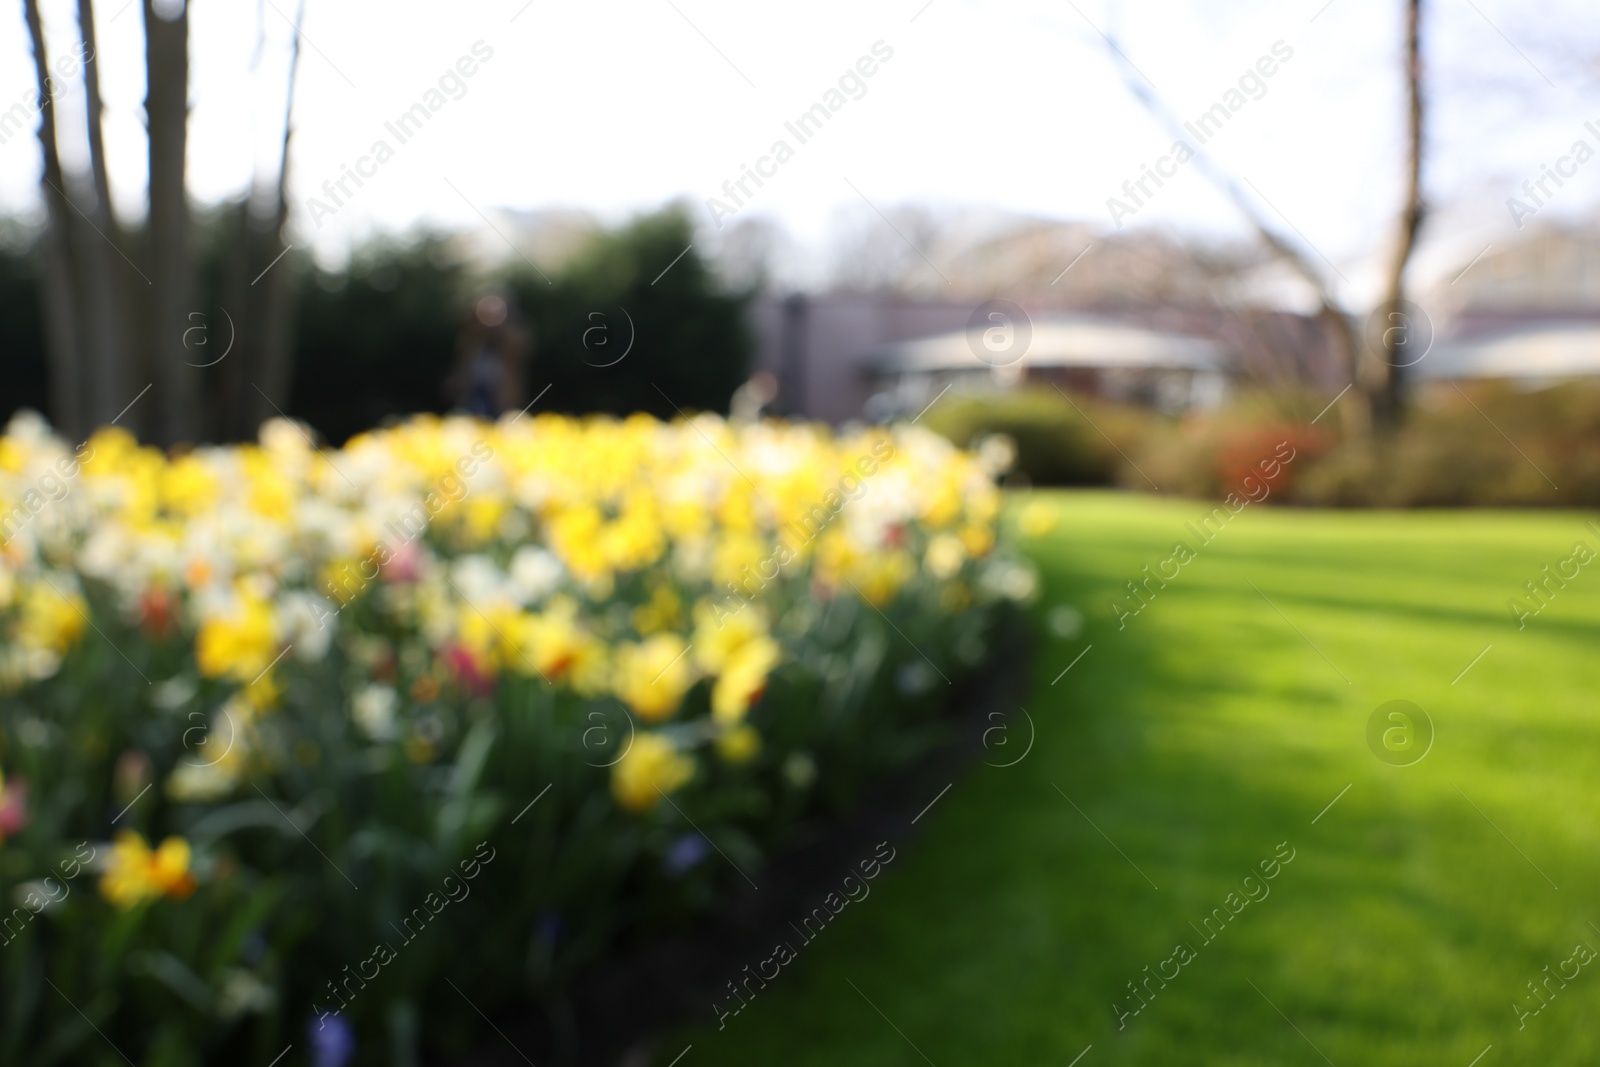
{"points": [[102, 338], [259, 289], [100, 259], [58, 295], [1385, 381], [1375, 374]]}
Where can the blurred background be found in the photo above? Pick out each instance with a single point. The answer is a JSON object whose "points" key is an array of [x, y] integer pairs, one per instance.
{"points": [[272, 208]]}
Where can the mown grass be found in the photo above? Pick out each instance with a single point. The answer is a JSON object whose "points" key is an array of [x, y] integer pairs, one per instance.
{"points": [[1217, 724]]}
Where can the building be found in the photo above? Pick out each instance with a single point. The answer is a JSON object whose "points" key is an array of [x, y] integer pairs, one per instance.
{"points": [[1086, 354], [1531, 354], [833, 353], [1528, 313]]}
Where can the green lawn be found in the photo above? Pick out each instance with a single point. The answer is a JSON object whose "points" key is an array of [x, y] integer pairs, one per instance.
{"points": [[1216, 725]]}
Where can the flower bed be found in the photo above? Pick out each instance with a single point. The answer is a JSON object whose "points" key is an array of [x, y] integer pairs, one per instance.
{"points": [[296, 741]]}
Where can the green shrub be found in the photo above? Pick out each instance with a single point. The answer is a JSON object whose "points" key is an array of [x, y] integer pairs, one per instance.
{"points": [[1484, 445], [640, 289], [1057, 443]]}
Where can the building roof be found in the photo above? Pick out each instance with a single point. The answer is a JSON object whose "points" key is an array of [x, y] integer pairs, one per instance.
{"points": [[1536, 351], [1068, 341]]}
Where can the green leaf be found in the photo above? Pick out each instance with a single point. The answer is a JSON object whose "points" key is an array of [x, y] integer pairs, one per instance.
{"points": [[470, 760]]}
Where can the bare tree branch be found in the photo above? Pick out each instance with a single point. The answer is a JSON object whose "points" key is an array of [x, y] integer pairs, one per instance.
{"points": [[1332, 312]]}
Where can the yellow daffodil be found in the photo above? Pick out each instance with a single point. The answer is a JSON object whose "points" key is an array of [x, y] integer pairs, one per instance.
{"points": [[653, 676], [944, 556], [134, 873], [740, 744], [651, 769], [189, 487], [51, 617], [551, 642], [979, 540], [722, 629], [239, 644], [743, 678]]}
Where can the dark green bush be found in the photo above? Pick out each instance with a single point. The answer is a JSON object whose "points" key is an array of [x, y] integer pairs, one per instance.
{"points": [[22, 366], [639, 289], [376, 340]]}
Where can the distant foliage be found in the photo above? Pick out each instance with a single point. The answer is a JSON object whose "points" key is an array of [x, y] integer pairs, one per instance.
{"points": [[376, 341], [690, 344], [1213, 455], [22, 368], [1487, 445], [1514, 448]]}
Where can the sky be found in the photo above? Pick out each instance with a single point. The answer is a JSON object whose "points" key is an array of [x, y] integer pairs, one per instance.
{"points": [[620, 105]]}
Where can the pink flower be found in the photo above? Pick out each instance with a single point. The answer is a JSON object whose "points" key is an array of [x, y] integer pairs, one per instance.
{"points": [[405, 565], [466, 670], [13, 807]]}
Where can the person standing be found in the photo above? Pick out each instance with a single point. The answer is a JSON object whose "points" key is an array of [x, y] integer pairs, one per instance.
{"points": [[488, 378]]}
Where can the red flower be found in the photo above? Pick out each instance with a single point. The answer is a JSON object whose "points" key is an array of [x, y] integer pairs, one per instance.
{"points": [[157, 611]]}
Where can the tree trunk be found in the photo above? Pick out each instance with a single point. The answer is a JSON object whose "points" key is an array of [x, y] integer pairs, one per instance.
{"points": [[170, 253], [275, 305], [57, 298], [1385, 372], [101, 259], [1357, 418]]}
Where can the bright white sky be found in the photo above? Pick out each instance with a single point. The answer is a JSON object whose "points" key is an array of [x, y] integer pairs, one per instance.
{"points": [[619, 105]]}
